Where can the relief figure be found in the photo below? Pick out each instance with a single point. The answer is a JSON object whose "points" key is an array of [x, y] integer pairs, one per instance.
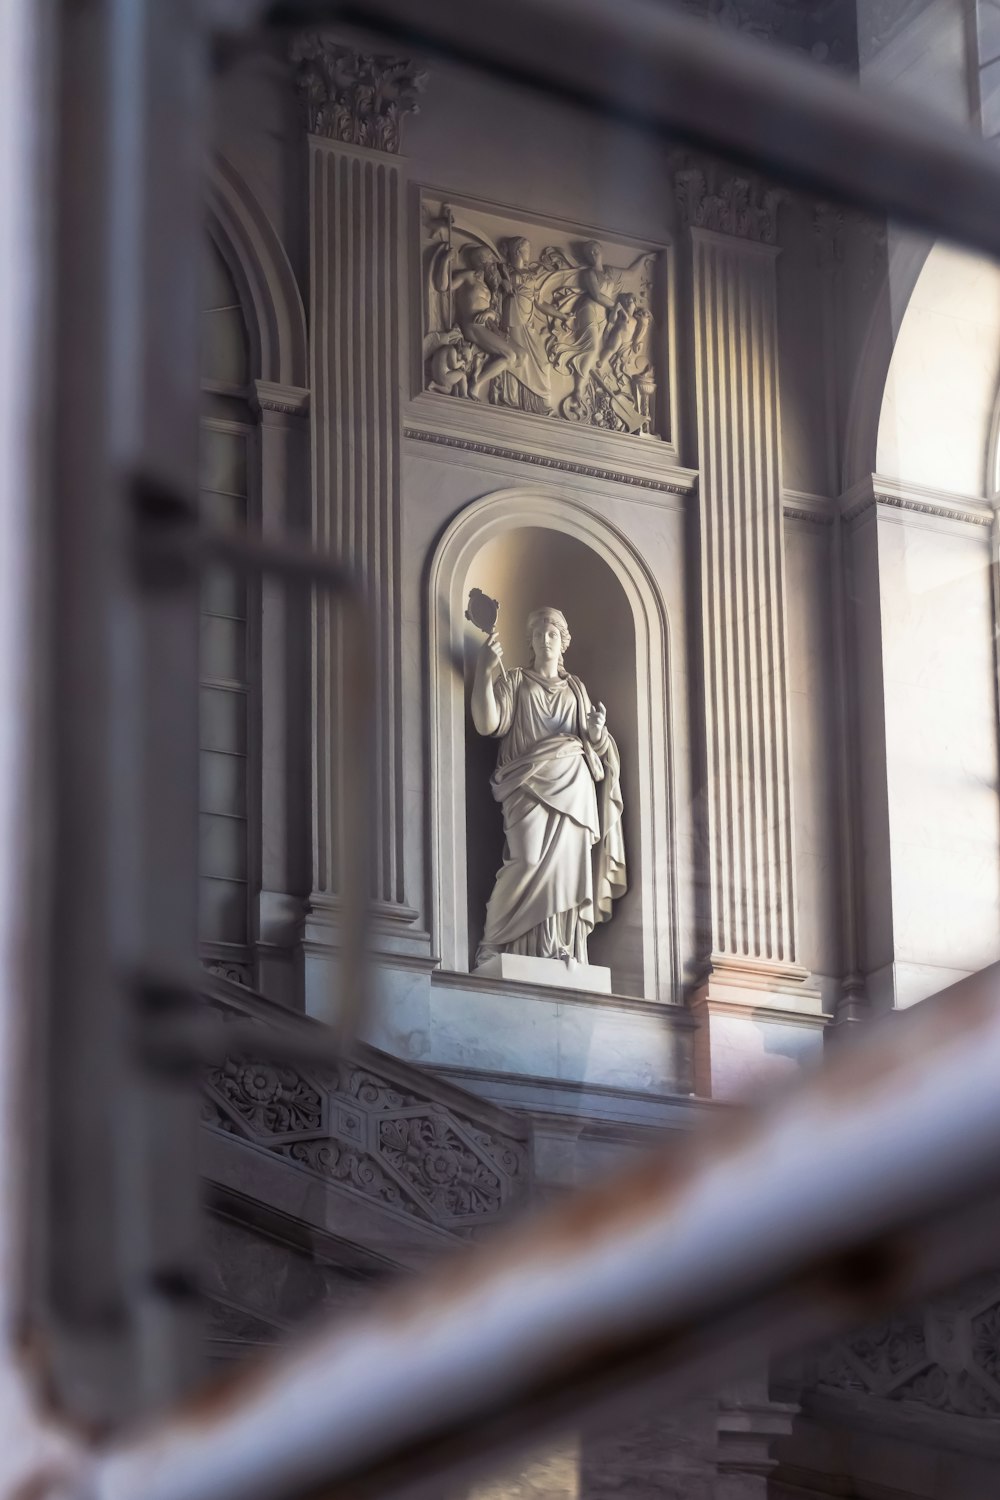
{"points": [[552, 335]]}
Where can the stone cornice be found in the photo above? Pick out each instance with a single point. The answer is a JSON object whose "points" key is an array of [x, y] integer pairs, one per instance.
{"points": [[289, 400], [357, 98], [800, 505], [736, 205], [682, 482], [945, 505]]}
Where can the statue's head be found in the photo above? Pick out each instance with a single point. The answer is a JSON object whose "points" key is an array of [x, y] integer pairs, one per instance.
{"points": [[519, 251], [593, 253], [548, 634]]}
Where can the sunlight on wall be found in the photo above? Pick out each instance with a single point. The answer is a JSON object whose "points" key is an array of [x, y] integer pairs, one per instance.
{"points": [[937, 412]]}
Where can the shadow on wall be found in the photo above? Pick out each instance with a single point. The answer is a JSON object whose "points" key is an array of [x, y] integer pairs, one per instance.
{"points": [[524, 568]]}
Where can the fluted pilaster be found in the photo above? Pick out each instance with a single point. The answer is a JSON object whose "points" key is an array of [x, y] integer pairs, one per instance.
{"points": [[743, 604], [355, 211]]}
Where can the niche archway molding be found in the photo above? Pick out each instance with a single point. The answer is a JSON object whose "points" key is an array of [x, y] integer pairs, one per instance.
{"points": [[275, 315], [653, 867]]}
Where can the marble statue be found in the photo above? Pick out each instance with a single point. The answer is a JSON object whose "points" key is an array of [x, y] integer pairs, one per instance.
{"points": [[558, 782], [552, 335]]}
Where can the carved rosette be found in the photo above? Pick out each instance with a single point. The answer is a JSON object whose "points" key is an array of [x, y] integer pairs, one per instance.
{"points": [[740, 206], [413, 1155], [354, 97]]}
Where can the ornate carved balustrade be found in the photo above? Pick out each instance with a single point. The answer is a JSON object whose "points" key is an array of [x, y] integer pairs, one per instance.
{"points": [[374, 1130]]}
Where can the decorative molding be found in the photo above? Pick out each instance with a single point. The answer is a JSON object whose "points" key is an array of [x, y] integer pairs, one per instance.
{"points": [[264, 274], [738, 205], [800, 505], [544, 318], [288, 400], [677, 486], [357, 98], [664, 1013], [879, 490]]}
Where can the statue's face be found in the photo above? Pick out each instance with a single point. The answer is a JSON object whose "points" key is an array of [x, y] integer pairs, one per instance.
{"points": [[546, 640]]}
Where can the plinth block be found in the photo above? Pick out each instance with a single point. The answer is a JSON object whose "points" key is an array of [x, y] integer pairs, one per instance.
{"points": [[565, 974]]}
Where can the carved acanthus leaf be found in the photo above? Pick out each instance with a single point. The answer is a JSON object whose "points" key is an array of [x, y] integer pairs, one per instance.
{"points": [[736, 205], [356, 97]]}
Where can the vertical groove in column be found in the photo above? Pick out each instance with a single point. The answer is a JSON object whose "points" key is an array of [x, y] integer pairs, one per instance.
{"points": [[355, 343], [749, 818], [748, 635]]}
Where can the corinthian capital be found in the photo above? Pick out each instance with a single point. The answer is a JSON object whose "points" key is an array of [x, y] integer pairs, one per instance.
{"points": [[356, 97], [741, 206]]}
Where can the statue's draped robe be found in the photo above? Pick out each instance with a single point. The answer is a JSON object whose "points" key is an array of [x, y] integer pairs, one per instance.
{"points": [[564, 856]]}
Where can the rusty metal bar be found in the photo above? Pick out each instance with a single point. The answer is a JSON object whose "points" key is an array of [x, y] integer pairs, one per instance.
{"points": [[645, 62], [859, 1188]]}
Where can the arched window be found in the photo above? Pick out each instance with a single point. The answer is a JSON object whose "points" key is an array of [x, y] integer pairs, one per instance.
{"points": [[225, 742]]}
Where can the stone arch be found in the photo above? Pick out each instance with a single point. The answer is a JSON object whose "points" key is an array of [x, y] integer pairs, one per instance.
{"points": [[653, 866], [865, 404], [275, 314], [936, 410]]}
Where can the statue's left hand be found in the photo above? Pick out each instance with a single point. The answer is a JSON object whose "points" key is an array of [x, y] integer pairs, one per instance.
{"points": [[595, 722]]}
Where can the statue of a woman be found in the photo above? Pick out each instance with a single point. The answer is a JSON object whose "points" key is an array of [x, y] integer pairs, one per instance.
{"points": [[557, 780]]}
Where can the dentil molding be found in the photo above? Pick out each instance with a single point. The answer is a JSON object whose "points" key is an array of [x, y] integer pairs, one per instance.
{"points": [[683, 482], [286, 400], [881, 490], [358, 98]]}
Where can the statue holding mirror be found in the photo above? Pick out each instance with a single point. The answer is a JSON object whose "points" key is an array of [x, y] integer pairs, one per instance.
{"points": [[558, 783]]}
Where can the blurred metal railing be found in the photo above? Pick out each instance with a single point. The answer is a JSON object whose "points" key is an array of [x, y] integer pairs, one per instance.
{"points": [[676, 1267]]}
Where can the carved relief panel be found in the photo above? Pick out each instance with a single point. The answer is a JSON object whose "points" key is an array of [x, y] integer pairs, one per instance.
{"points": [[544, 319]]}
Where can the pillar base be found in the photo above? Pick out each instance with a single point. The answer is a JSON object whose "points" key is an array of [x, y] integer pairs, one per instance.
{"points": [[758, 1023]]}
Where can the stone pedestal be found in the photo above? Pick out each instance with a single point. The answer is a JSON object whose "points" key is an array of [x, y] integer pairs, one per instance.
{"points": [[567, 975]]}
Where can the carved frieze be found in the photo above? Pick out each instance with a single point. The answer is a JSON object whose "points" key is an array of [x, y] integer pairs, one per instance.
{"points": [[542, 320], [736, 205], [356, 97]]}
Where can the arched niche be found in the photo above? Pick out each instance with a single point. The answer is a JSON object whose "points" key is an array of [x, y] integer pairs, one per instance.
{"points": [[531, 547]]}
